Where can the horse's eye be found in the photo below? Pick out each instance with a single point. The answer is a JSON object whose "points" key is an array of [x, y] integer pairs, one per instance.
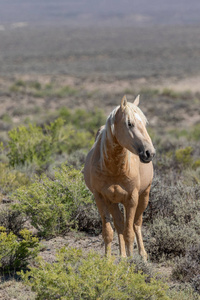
{"points": [[130, 124]]}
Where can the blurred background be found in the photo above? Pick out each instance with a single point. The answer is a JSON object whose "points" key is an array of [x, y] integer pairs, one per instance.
{"points": [[127, 39]]}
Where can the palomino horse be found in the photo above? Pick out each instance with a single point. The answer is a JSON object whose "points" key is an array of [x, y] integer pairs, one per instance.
{"points": [[118, 169]]}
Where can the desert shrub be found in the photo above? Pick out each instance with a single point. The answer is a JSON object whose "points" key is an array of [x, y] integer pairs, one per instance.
{"points": [[11, 219], [54, 204], [20, 82], [169, 239], [91, 120], [77, 139], [173, 213], [80, 118], [170, 93], [18, 86], [149, 92], [50, 90], [11, 179], [195, 132], [15, 253], [37, 145], [77, 158], [184, 156], [187, 268], [78, 276], [183, 291], [35, 85], [28, 145], [196, 164], [66, 138], [66, 91], [142, 267], [178, 201], [191, 134], [65, 114], [6, 118], [88, 219]]}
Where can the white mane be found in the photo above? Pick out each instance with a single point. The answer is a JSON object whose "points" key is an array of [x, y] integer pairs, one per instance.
{"points": [[132, 112]]}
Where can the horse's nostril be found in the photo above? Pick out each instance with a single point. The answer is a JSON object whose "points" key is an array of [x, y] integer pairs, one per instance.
{"points": [[148, 154]]}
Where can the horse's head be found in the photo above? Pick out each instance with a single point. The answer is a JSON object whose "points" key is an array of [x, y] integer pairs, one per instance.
{"points": [[130, 130]]}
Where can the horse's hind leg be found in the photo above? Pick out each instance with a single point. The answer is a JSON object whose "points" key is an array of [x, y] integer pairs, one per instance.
{"points": [[107, 231], [142, 204], [118, 219]]}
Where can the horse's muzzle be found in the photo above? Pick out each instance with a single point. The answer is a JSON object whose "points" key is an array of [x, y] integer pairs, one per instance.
{"points": [[146, 156]]}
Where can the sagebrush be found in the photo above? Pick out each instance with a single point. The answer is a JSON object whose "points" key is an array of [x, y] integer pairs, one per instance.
{"points": [[16, 253], [78, 276], [54, 204]]}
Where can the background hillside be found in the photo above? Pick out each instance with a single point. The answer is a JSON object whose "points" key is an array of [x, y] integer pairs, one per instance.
{"points": [[89, 12]]}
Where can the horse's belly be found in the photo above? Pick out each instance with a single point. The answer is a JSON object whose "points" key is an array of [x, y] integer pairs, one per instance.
{"points": [[115, 193]]}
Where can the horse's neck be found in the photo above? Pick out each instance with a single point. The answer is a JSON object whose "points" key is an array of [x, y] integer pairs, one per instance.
{"points": [[117, 158]]}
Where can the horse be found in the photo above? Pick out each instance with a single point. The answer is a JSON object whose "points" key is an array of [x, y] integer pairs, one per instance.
{"points": [[118, 169]]}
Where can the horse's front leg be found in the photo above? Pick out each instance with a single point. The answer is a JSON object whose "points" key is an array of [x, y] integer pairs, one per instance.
{"points": [[129, 234], [107, 231], [118, 219], [142, 204]]}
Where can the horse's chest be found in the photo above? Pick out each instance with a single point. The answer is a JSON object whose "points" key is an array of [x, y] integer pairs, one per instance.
{"points": [[115, 193]]}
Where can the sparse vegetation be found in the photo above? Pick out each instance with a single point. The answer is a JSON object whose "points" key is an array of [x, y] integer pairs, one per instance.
{"points": [[78, 276], [56, 200], [47, 125]]}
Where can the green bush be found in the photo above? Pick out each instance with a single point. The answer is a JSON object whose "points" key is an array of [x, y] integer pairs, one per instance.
{"points": [[28, 145], [14, 253], [170, 93], [195, 132], [54, 204], [78, 276], [183, 291], [35, 85], [90, 120], [51, 91], [36, 145], [11, 179], [191, 134], [80, 118], [11, 219], [184, 156], [20, 82], [196, 164]]}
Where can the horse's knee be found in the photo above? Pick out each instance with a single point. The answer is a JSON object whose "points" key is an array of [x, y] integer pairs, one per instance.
{"points": [[107, 233], [129, 235], [138, 221]]}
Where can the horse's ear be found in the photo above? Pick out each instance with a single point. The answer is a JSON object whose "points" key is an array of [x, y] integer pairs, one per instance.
{"points": [[123, 102], [137, 100]]}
